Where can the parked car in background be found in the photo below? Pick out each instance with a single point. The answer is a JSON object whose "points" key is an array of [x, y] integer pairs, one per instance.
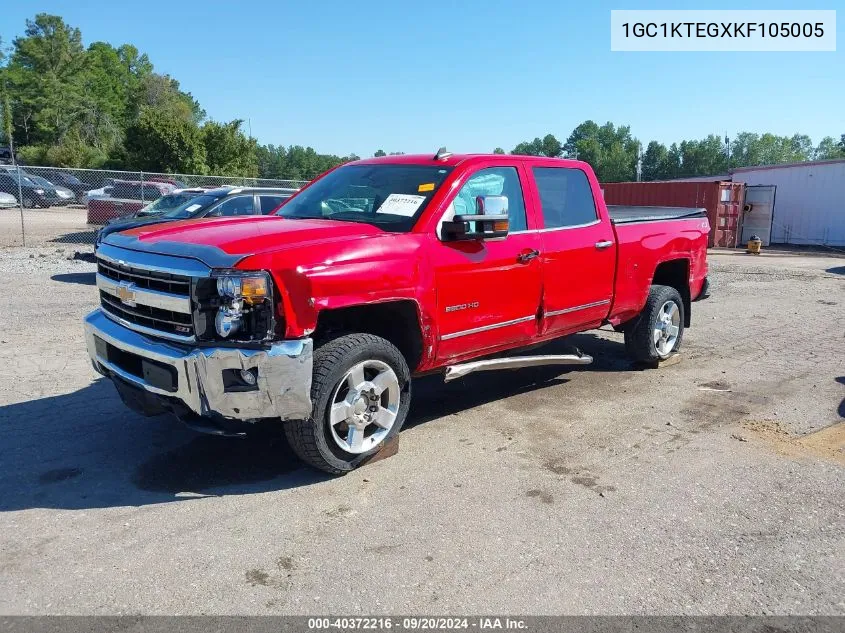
{"points": [[65, 179], [124, 198], [168, 202], [5, 155], [168, 181], [66, 196], [7, 201], [32, 194], [214, 203], [102, 192]]}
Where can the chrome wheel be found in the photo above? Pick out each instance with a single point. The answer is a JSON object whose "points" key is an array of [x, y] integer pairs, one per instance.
{"points": [[364, 406], [667, 328]]}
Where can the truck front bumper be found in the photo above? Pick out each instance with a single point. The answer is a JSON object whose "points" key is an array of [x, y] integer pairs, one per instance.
{"points": [[205, 379]]}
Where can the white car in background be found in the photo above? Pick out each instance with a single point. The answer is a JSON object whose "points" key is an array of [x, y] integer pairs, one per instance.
{"points": [[7, 201], [102, 192]]}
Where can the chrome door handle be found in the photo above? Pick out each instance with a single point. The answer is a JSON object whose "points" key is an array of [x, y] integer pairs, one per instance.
{"points": [[524, 258], [604, 244]]}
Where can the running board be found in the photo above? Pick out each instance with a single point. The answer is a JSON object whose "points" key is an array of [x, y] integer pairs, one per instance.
{"points": [[514, 362]]}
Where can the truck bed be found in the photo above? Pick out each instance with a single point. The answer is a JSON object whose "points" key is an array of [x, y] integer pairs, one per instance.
{"points": [[620, 214]]}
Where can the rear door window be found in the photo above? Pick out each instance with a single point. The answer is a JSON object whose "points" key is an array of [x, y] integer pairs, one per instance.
{"points": [[565, 197], [269, 203], [236, 205]]}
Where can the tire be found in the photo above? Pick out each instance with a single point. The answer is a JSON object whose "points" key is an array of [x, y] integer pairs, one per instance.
{"points": [[28, 203], [340, 447], [663, 312]]}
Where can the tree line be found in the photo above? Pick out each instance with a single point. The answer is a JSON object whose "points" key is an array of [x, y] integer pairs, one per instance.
{"points": [[104, 107], [615, 154]]}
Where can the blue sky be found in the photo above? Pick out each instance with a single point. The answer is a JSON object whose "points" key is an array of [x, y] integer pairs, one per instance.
{"points": [[357, 76]]}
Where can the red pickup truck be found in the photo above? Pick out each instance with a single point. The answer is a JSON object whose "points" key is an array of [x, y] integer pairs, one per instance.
{"points": [[378, 271]]}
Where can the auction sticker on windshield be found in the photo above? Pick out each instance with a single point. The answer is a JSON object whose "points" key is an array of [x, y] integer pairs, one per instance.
{"points": [[401, 204], [193, 207]]}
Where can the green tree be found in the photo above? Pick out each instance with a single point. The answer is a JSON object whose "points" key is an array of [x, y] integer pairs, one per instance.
{"points": [[379, 153], [655, 161], [547, 146], [162, 140], [673, 162], [529, 148], [162, 92], [705, 157], [228, 151], [498, 150], [750, 149], [44, 76], [6, 119], [611, 151], [829, 148]]}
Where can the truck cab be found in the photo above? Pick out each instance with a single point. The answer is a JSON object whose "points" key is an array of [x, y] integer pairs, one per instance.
{"points": [[320, 315]]}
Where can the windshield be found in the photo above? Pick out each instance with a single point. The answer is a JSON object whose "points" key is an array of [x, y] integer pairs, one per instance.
{"points": [[192, 207], [38, 180], [388, 196], [170, 202], [26, 179]]}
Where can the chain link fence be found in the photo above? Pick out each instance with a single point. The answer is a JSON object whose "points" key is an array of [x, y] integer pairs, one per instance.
{"points": [[47, 206]]}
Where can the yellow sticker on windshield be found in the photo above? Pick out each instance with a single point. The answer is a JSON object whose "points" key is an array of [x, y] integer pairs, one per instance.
{"points": [[428, 186]]}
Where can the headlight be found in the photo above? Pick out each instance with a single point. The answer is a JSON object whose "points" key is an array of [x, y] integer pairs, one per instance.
{"points": [[245, 305], [252, 288], [40, 192]]}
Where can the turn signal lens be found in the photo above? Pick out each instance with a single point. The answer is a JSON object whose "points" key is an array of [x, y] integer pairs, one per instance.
{"points": [[254, 289], [500, 225]]}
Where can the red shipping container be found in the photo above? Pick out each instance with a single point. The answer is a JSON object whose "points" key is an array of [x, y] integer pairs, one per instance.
{"points": [[722, 199]]}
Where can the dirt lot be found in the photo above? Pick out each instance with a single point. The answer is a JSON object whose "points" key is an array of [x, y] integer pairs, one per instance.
{"points": [[46, 227], [713, 485]]}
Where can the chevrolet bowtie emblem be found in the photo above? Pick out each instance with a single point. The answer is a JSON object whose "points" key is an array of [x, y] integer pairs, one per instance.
{"points": [[126, 293]]}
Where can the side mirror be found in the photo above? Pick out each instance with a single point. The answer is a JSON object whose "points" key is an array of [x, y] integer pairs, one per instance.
{"points": [[490, 220]]}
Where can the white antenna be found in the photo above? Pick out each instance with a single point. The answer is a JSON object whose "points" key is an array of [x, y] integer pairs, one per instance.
{"points": [[442, 154]]}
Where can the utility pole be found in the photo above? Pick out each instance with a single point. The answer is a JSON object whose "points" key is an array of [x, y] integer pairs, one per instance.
{"points": [[639, 162]]}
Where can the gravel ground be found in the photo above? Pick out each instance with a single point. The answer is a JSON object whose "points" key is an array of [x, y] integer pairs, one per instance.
{"points": [[46, 227], [713, 485]]}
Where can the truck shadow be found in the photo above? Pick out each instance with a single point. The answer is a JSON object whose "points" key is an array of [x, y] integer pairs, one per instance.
{"points": [[87, 450], [435, 399], [76, 237], [84, 279]]}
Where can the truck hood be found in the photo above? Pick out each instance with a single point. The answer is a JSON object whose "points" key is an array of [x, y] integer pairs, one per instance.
{"points": [[124, 224], [222, 242]]}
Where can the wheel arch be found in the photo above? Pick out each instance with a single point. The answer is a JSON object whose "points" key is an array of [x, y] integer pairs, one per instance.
{"points": [[675, 273], [397, 321]]}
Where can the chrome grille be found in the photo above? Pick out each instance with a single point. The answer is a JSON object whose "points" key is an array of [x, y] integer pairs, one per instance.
{"points": [[148, 279], [176, 323], [150, 301]]}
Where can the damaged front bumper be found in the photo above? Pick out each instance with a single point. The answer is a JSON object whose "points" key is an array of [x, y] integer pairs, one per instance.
{"points": [[203, 379]]}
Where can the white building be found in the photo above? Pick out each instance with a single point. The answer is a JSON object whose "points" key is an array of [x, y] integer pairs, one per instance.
{"points": [[809, 201]]}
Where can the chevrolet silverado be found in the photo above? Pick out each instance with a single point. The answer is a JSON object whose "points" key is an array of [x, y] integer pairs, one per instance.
{"points": [[380, 270]]}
